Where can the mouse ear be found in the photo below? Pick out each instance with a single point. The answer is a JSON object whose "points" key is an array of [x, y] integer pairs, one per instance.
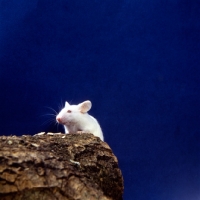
{"points": [[66, 104], [85, 106]]}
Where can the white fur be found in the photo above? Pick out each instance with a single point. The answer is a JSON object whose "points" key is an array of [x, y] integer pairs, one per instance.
{"points": [[75, 118]]}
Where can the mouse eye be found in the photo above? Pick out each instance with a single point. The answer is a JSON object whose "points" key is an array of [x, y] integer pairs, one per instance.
{"points": [[69, 111]]}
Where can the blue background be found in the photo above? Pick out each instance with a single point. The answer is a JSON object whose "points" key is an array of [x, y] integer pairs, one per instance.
{"points": [[138, 61]]}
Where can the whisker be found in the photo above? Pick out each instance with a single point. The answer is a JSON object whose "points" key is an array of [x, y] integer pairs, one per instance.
{"points": [[70, 102], [49, 121], [57, 125], [48, 115], [62, 105], [52, 110]]}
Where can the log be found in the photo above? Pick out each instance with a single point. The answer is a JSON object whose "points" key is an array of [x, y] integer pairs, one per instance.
{"points": [[58, 167]]}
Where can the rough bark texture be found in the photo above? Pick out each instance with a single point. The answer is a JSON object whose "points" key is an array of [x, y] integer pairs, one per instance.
{"points": [[58, 166]]}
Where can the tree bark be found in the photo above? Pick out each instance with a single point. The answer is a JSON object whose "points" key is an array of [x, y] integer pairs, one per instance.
{"points": [[58, 167]]}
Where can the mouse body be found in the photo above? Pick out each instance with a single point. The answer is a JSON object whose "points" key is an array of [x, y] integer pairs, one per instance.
{"points": [[76, 119]]}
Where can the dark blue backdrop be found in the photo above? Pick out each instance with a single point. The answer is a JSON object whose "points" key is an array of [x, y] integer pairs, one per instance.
{"points": [[138, 61]]}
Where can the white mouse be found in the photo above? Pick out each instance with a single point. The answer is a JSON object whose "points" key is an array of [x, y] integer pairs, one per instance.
{"points": [[75, 118]]}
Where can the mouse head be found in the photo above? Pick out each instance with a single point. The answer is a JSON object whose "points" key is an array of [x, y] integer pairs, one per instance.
{"points": [[72, 113]]}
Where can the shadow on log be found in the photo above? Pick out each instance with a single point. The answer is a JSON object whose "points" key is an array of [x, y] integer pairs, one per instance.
{"points": [[58, 167]]}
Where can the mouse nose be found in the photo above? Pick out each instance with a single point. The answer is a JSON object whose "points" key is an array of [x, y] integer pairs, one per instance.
{"points": [[58, 119]]}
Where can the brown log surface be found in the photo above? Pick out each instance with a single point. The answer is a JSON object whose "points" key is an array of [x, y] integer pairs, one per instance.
{"points": [[58, 167]]}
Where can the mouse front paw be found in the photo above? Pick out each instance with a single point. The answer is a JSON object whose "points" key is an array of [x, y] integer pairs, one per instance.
{"points": [[80, 132]]}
